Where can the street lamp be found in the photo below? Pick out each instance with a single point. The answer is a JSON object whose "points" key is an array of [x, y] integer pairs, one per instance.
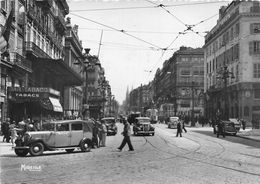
{"points": [[224, 75], [173, 95]]}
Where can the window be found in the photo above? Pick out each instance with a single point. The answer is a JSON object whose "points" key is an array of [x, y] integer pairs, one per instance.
{"points": [[256, 73], [255, 28], [257, 93], [196, 72], [62, 127], [4, 5], [34, 36], [254, 47], [185, 72], [237, 29], [76, 126]]}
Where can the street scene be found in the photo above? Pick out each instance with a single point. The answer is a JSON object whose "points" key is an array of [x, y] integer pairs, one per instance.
{"points": [[197, 157], [120, 91]]}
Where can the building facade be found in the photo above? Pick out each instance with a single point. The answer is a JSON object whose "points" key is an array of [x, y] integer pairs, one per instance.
{"points": [[232, 62], [178, 86]]}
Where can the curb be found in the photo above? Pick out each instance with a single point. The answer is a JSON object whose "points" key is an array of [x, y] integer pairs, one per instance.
{"points": [[248, 138]]}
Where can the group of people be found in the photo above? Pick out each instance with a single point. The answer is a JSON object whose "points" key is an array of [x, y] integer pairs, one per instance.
{"points": [[180, 127], [99, 133], [11, 130]]}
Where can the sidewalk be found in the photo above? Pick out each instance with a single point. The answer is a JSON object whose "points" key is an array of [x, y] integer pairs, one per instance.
{"points": [[249, 133], [5, 148]]}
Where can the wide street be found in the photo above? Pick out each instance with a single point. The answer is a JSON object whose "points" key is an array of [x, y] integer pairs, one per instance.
{"points": [[197, 157]]}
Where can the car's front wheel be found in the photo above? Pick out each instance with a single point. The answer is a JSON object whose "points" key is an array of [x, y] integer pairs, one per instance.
{"points": [[36, 149], [85, 145], [21, 152]]}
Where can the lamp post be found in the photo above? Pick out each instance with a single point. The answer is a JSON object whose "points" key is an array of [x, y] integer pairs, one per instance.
{"points": [[224, 75]]}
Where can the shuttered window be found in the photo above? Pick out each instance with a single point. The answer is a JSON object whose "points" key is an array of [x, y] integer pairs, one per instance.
{"points": [[255, 28], [254, 47], [256, 73]]}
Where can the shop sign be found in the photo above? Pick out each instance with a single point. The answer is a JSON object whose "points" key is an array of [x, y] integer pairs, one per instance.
{"points": [[31, 92]]}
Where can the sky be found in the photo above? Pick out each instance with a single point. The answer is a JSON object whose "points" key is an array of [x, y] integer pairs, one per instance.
{"points": [[134, 37]]}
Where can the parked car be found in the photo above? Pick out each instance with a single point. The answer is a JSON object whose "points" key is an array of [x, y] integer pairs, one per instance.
{"points": [[110, 122], [173, 122], [236, 123], [66, 134], [143, 126], [228, 127]]}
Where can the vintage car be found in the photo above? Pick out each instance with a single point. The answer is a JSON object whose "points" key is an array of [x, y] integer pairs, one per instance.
{"points": [[236, 123], [228, 127], [65, 134], [143, 126], [173, 122], [110, 123]]}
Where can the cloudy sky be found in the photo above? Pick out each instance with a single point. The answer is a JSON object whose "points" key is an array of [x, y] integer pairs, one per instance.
{"points": [[139, 35]]}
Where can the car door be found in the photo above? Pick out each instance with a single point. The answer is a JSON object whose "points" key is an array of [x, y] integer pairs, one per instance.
{"points": [[62, 135], [76, 133]]}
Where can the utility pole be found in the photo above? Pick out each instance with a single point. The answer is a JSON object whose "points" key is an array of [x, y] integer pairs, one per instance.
{"points": [[192, 107]]}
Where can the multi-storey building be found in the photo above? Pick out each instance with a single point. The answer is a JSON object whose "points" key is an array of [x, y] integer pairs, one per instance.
{"points": [[73, 96], [232, 50], [139, 99], [37, 40], [179, 84]]}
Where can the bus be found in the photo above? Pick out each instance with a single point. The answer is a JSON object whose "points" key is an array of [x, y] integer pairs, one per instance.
{"points": [[152, 114]]}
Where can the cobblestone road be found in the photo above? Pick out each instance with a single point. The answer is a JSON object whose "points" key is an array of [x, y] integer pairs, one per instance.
{"points": [[197, 157]]}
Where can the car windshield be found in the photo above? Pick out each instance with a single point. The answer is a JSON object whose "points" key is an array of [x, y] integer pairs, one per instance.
{"points": [[143, 120], [109, 121]]}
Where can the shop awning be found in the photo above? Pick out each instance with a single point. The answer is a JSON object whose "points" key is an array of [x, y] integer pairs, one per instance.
{"points": [[56, 104], [58, 70]]}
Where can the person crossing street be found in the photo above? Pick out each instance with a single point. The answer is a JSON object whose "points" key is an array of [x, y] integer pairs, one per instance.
{"points": [[126, 133]]}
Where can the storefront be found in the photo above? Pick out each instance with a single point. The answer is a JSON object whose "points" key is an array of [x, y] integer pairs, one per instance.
{"points": [[37, 103]]}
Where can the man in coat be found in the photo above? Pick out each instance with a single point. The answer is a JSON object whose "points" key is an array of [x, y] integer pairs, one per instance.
{"points": [[126, 133], [179, 129]]}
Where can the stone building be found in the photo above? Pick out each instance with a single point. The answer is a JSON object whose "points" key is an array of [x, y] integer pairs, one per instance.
{"points": [[232, 50], [179, 84]]}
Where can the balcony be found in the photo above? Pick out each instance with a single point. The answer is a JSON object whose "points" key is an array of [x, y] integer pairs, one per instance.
{"points": [[31, 12], [96, 99], [44, 3], [32, 48], [60, 22], [20, 61]]}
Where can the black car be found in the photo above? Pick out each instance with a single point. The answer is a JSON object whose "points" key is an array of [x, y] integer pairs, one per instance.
{"points": [[143, 126], [110, 122]]}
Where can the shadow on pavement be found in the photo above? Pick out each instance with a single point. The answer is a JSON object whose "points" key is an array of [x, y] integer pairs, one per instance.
{"points": [[46, 154], [231, 138]]}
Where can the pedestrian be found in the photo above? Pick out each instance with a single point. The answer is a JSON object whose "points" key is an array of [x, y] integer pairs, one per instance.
{"points": [[13, 131], [243, 124], [183, 126], [95, 139], [179, 129], [103, 134], [126, 133], [221, 129], [5, 130]]}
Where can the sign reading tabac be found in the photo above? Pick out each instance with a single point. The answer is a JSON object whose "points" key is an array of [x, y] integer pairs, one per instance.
{"points": [[35, 90]]}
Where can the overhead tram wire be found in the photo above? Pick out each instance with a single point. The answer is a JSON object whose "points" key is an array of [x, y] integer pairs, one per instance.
{"points": [[146, 7], [133, 31], [122, 31], [163, 7]]}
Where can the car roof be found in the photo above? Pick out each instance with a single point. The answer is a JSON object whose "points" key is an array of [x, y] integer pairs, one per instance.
{"points": [[107, 118], [143, 118], [70, 121]]}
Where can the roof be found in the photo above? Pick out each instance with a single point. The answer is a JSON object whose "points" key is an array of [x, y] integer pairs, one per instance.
{"points": [[71, 121], [143, 118], [107, 118]]}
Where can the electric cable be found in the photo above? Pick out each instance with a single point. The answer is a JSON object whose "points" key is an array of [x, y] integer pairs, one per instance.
{"points": [[146, 7], [122, 31]]}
